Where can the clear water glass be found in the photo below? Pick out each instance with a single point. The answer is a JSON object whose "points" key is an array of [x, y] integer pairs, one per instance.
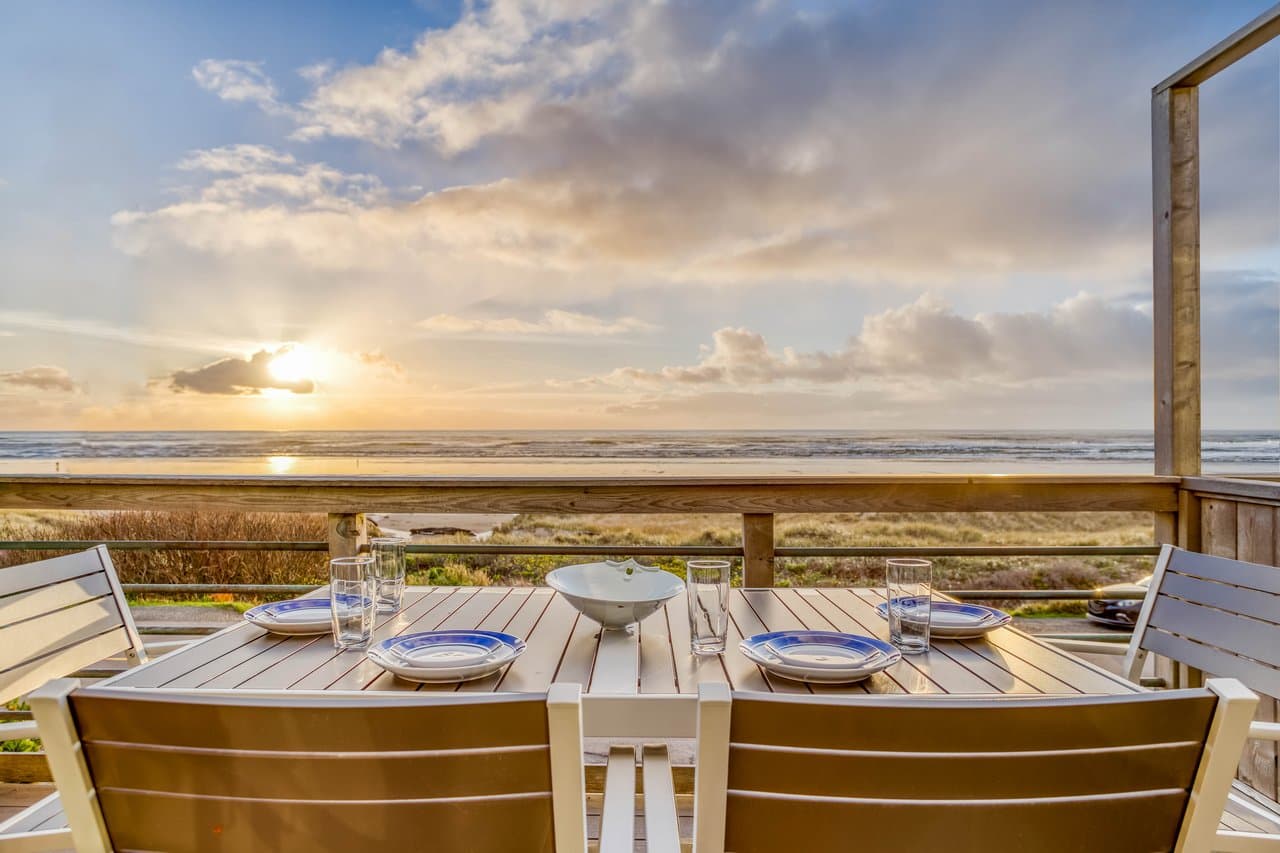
{"points": [[707, 588], [910, 595], [388, 572], [351, 597]]}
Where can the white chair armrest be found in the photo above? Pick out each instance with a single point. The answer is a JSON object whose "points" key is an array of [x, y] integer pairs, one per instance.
{"points": [[36, 841], [661, 827], [19, 835], [1229, 841], [19, 730], [1089, 647], [1264, 731], [618, 817]]}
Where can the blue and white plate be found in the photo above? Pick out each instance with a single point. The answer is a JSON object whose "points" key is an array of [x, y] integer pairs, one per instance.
{"points": [[437, 657], [821, 657], [953, 620], [298, 616]]}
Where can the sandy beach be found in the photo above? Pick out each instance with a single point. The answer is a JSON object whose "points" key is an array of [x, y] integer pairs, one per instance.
{"points": [[423, 526]]}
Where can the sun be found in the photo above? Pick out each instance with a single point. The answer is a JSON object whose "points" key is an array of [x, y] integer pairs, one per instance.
{"points": [[295, 364]]}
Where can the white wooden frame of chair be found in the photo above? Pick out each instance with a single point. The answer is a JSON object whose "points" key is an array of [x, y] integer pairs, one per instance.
{"points": [[88, 830], [1135, 657], [1207, 799], [97, 559]]}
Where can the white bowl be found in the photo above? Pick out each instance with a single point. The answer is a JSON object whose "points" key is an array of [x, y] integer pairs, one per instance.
{"points": [[615, 594]]}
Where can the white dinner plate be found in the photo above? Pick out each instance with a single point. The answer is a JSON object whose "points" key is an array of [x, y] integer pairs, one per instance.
{"points": [[297, 616]]}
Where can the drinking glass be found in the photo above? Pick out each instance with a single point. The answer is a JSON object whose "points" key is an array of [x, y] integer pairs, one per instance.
{"points": [[707, 588], [910, 592], [388, 572], [351, 594]]}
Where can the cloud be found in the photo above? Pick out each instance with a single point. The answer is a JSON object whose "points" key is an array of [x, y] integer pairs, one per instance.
{"points": [[236, 159], [40, 378], [553, 323], [234, 375], [238, 81], [381, 363], [927, 341], [740, 141]]}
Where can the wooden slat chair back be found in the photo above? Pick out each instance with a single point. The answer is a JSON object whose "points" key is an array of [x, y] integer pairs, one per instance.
{"points": [[60, 615], [1218, 615], [892, 773], [175, 771]]}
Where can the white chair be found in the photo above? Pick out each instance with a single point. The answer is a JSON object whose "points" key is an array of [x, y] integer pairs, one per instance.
{"points": [[58, 616], [1103, 774], [285, 771], [1220, 616]]}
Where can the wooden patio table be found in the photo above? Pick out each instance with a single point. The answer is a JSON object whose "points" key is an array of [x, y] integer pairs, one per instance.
{"points": [[652, 658]]}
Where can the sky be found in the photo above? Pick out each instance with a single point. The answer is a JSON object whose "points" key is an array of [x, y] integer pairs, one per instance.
{"points": [[617, 214]]}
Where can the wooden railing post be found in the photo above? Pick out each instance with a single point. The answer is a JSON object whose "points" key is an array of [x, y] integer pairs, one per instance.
{"points": [[757, 549], [347, 532]]}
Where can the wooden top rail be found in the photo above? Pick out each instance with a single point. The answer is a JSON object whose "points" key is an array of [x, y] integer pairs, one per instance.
{"points": [[1227, 52], [1248, 490], [764, 494]]}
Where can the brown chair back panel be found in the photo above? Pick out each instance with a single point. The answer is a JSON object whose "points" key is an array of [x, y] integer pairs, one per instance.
{"points": [[322, 776], [977, 726], [141, 821], [1225, 570], [960, 775], [251, 723], [1142, 823]]}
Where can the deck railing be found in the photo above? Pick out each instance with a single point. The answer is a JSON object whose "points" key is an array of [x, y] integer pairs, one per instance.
{"points": [[345, 500]]}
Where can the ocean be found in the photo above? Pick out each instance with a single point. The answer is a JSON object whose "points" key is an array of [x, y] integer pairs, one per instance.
{"points": [[568, 453]]}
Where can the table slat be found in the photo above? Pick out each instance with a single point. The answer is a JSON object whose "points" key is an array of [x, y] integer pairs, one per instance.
{"points": [[292, 654], [534, 670], [520, 625], [657, 665], [690, 669]]}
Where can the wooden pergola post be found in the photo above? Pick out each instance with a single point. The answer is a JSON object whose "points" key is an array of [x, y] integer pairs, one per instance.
{"points": [[1175, 189], [1175, 180]]}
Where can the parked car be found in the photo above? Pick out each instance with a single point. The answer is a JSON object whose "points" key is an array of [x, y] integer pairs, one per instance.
{"points": [[1117, 612]]}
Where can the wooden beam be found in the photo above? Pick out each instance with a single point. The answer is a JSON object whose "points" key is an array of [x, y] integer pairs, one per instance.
{"points": [[1261, 491], [347, 533], [757, 549], [604, 495], [1225, 53], [1175, 158]]}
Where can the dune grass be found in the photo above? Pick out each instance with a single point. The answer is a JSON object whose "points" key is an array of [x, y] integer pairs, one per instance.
{"points": [[851, 529]]}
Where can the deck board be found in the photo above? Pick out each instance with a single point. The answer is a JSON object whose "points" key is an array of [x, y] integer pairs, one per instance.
{"points": [[652, 658]]}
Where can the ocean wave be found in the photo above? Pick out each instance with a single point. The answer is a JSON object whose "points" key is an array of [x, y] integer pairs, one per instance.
{"points": [[1237, 448]]}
